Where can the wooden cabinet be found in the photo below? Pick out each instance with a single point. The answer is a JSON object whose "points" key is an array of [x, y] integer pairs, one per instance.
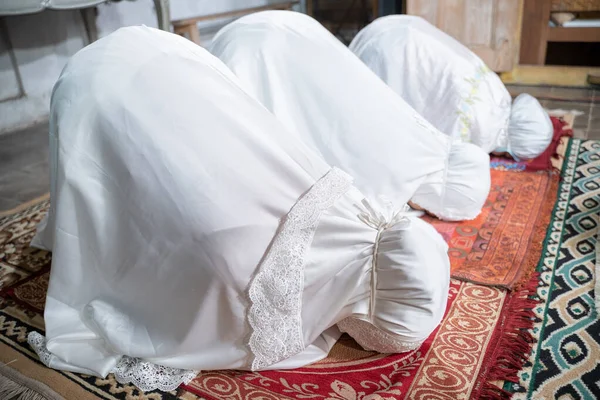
{"points": [[537, 32], [490, 28]]}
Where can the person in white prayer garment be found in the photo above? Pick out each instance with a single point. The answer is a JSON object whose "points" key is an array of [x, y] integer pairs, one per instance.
{"points": [[189, 232], [333, 103], [452, 88]]}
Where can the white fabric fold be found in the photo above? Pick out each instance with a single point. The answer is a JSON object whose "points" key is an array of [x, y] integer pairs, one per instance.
{"points": [[333, 103], [188, 231], [450, 86]]}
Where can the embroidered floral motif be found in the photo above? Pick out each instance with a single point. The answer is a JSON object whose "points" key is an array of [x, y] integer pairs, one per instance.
{"points": [[465, 112]]}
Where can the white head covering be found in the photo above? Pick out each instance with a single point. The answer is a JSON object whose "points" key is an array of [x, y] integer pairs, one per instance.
{"points": [[448, 84], [190, 233], [400, 317], [334, 104], [465, 190], [530, 129]]}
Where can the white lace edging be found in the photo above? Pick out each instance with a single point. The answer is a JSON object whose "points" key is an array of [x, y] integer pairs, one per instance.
{"points": [[145, 375], [38, 343], [276, 291], [149, 376], [373, 338]]}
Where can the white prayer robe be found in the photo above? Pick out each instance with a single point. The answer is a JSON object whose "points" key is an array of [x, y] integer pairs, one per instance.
{"points": [[189, 233], [328, 99], [451, 86]]}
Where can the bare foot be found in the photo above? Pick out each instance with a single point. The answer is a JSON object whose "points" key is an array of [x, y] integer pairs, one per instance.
{"points": [[419, 208]]}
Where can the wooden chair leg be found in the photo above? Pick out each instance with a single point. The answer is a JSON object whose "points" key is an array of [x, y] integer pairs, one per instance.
{"points": [[189, 31], [194, 34]]}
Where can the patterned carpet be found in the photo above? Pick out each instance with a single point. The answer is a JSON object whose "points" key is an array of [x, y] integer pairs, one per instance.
{"points": [[565, 362], [447, 366]]}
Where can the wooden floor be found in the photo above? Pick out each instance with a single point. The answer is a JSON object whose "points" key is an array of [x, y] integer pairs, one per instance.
{"points": [[24, 154]]}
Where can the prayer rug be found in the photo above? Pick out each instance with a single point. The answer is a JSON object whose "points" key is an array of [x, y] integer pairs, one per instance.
{"points": [[564, 363], [551, 159], [502, 246], [481, 325]]}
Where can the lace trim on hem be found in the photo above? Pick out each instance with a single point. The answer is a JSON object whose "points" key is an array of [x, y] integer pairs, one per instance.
{"points": [[145, 375], [372, 338], [149, 376], [276, 291]]}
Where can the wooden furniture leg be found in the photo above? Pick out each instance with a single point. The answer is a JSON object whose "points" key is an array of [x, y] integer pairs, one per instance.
{"points": [[189, 31], [534, 32]]}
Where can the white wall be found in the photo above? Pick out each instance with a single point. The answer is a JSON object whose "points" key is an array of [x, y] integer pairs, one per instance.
{"points": [[42, 43]]}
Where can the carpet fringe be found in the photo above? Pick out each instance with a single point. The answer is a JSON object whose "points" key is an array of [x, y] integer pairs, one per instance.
{"points": [[513, 342], [16, 386]]}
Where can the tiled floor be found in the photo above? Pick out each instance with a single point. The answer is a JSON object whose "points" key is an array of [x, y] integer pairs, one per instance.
{"points": [[24, 154]]}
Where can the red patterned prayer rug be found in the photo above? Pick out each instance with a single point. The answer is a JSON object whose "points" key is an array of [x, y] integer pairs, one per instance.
{"points": [[478, 332], [544, 161]]}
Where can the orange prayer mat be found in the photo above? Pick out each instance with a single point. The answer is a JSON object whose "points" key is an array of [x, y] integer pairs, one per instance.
{"points": [[502, 246]]}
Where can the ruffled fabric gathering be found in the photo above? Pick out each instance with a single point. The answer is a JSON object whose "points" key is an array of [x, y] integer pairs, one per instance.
{"points": [[380, 223], [363, 331], [391, 322], [452, 87]]}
